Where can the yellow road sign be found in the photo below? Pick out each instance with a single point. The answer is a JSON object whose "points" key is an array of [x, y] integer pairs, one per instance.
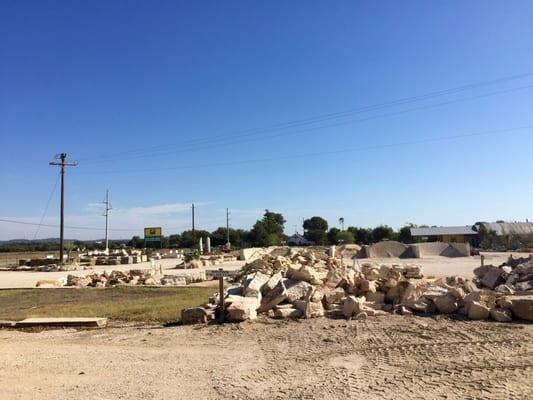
{"points": [[152, 232]]}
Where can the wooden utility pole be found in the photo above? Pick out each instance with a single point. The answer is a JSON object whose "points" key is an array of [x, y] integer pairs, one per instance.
{"points": [[62, 164], [228, 244], [106, 215], [193, 231]]}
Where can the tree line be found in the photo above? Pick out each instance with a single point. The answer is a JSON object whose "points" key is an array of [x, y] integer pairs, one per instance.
{"points": [[269, 231]]}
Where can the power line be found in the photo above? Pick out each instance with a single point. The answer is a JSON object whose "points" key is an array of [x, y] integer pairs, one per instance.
{"points": [[284, 134], [46, 207], [311, 120], [66, 226], [321, 153]]}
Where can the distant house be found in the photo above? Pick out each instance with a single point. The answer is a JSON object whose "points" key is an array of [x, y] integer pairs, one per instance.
{"points": [[447, 234], [298, 240]]}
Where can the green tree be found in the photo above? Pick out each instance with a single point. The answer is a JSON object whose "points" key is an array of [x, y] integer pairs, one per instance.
{"points": [[174, 241], [361, 235], [332, 235], [136, 242], [382, 232], [342, 237], [269, 230], [315, 230], [189, 240], [404, 234]]}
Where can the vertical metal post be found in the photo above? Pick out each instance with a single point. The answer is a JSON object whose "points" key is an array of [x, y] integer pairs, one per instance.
{"points": [[221, 295]]}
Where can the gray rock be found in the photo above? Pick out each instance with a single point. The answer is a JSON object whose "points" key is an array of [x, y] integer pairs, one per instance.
{"points": [[194, 315], [446, 304], [274, 297], [477, 311], [291, 312], [492, 277], [522, 306], [501, 315]]}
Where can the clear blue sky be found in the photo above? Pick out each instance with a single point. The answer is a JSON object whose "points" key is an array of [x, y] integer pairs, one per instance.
{"points": [[145, 78]]}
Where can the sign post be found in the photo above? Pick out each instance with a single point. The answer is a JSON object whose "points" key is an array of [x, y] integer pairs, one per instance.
{"points": [[220, 274], [153, 235], [221, 296]]}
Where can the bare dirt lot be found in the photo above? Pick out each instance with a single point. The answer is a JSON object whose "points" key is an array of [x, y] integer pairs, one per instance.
{"points": [[391, 357]]}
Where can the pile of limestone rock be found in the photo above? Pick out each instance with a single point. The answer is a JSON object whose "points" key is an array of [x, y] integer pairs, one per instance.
{"points": [[515, 275], [303, 285], [133, 277]]}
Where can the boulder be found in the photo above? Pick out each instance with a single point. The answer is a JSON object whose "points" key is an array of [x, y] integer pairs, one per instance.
{"points": [[505, 289], [303, 273], [334, 296], [501, 315], [434, 291], [309, 309], [296, 290], [244, 309], [49, 283], [524, 286], [334, 278], [521, 306], [376, 297], [477, 311], [254, 283], [446, 304], [421, 305], [492, 277], [194, 315], [272, 282], [372, 274], [481, 271], [353, 306], [287, 313], [274, 297], [367, 286]]}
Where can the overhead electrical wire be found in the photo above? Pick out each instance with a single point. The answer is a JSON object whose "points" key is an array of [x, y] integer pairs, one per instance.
{"points": [[426, 107], [155, 150], [47, 206], [322, 153]]}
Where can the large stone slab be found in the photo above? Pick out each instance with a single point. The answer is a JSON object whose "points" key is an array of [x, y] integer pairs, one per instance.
{"points": [[492, 277], [521, 306], [63, 321]]}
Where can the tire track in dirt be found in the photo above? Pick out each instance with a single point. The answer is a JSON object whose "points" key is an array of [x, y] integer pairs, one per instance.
{"points": [[391, 358]]}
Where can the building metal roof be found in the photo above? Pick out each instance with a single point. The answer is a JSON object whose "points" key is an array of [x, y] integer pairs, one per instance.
{"points": [[443, 230], [510, 228]]}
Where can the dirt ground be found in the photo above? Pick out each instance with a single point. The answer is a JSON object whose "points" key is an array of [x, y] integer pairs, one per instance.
{"points": [[391, 357]]}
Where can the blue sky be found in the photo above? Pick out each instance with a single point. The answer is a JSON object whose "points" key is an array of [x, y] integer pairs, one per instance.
{"points": [[137, 90]]}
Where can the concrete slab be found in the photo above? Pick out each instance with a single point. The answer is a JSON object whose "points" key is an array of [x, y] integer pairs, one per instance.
{"points": [[50, 322]]}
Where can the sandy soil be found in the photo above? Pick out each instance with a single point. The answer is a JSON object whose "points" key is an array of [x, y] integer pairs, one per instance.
{"points": [[389, 357]]}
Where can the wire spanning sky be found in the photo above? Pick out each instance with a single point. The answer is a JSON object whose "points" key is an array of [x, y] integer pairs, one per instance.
{"points": [[376, 112]]}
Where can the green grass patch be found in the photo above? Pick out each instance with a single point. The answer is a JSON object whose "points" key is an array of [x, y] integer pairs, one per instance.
{"points": [[124, 303]]}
